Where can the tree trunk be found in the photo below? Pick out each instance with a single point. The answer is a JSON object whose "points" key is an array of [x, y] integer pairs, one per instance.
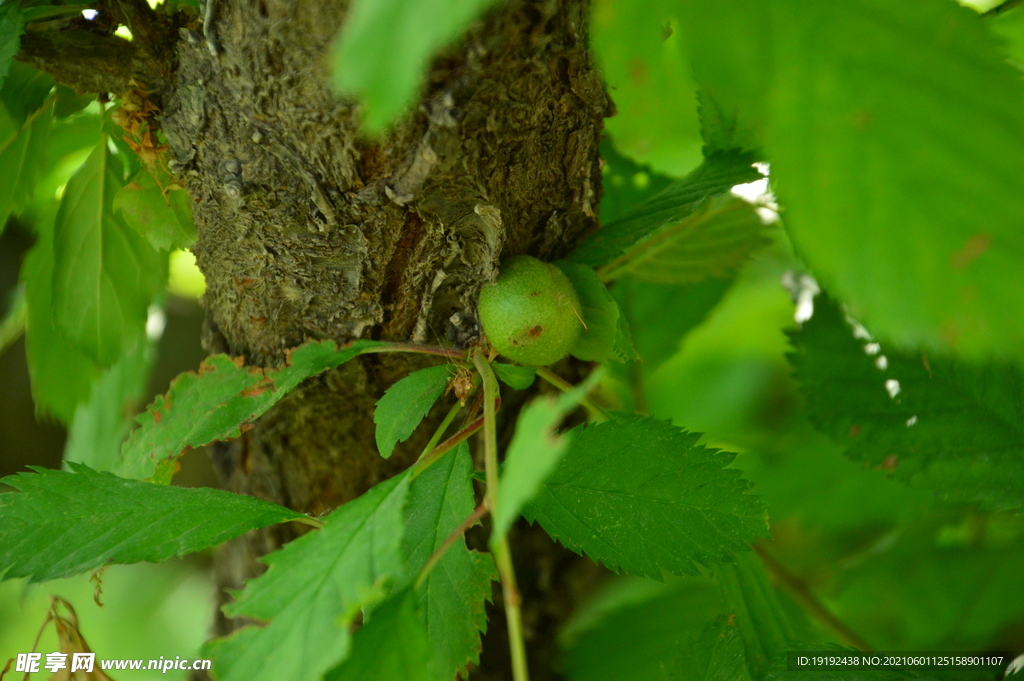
{"points": [[309, 230]]}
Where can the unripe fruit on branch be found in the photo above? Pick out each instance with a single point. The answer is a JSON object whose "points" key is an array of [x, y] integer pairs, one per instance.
{"points": [[531, 313]]}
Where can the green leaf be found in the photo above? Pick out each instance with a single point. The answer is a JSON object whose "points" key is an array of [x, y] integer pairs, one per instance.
{"points": [[954, 427], [646, 68], [216, 403], [161, 213], [42, 13], [61, 374], [392, 646], [644, 631], [721, 128], [661, 315], [452, 598], [626, 183], [402, 407], [105, 273], [601, 340], [313, 589], [25, 119], [534, 452], [62, 524], [384, 47], [712, 242], [102, 424], [716, 175], [763, 625], [514, 376], [12, 25], [893, 131], [642, 496]]}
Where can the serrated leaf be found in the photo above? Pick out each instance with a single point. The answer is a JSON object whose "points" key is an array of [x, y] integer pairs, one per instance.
{"points": [[642, 496], [893, 131], [712, 242], [216, 403], [517, 377], [953, 427], [602, 338], [62, 375], [534, 452], [102, 424], [716, 175], [105, 273], [313, 588], [646, 67], [763, 625], [384, 47], [161, 213], [721, 127], [452, 599], [12, 25], [403, 405], [392, 646], [61, 524], [626, 183]]}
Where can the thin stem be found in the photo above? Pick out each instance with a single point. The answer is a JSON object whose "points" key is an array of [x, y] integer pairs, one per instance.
{"points": [[312, 522], [490, 430], [438, 554], [598, 414], [502, 553], [449, 417], [446, 447], [417, 349], [802, 595]]}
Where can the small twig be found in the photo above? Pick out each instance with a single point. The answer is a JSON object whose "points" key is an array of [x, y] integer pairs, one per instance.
{"points": [[446, 447], [598, 414], [802, 595], [418, 349], [449, 417], [438, 554], [306, 520]]}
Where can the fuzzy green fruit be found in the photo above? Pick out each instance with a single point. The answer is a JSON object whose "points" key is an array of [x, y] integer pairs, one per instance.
{"points": [[531, 312]]}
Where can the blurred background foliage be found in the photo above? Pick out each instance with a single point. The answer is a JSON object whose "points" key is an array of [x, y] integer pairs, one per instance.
{"points": [[900, 567]]}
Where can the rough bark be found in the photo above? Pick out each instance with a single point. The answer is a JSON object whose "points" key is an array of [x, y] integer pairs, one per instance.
{"points": [[307, 229]]}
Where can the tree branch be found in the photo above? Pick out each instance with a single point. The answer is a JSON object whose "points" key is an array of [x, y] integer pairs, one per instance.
{"points": [[81, 59]]}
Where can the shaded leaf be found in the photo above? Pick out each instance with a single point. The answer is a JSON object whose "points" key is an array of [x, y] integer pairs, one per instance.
{"points": [[12, 25], [392, 646], [313, 588], [534, 452], [25, 119], [384, 47], [950, 426], [602, 337], [716, 175], [101, 425], [712, 242], [893, 131], [402, 407], [626, 183], [452, 599], [216, 403], [61, 374], [105, 273], [514, 376], [160, 212], [645, 65], [642, 496], [61, 524]]}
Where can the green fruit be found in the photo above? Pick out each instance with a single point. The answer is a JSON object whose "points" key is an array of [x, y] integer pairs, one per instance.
{"points": [[531, 312]]}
